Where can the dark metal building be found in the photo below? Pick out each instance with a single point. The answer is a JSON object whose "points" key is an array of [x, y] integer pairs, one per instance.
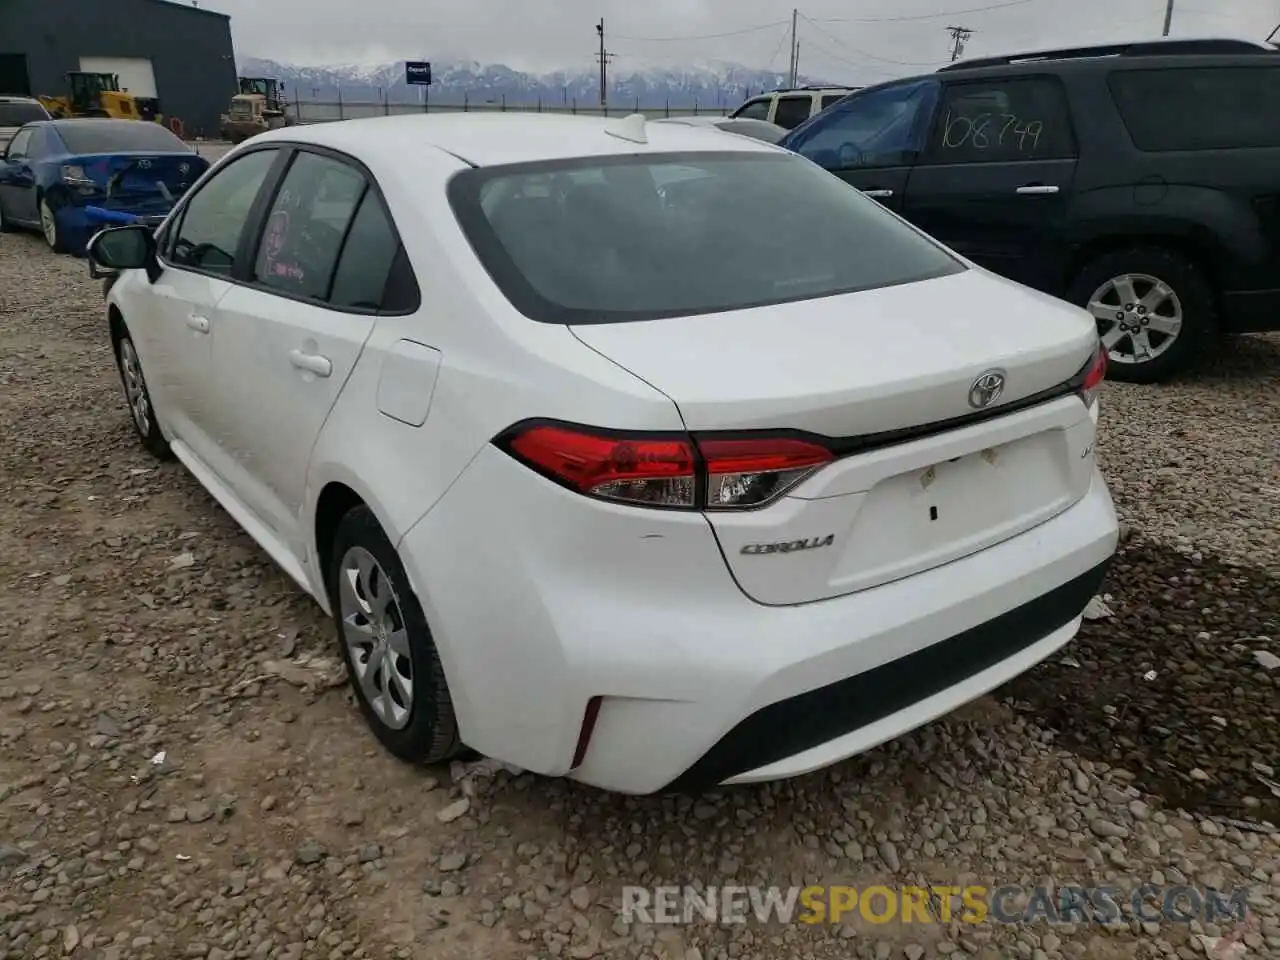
{"points": [[178, 52]]}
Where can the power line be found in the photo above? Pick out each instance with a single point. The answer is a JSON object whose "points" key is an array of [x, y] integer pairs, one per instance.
{"points": [[706, 36], [929, 16], [863, 53]]}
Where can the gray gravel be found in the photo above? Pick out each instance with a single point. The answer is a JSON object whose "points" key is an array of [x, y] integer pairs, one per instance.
{"points": [[179, 777]]}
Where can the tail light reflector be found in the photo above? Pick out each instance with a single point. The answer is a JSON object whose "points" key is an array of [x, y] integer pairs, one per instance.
{"points": [[667, 470]]}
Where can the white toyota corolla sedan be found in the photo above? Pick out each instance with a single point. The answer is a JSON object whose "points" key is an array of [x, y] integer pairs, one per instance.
{"points": [[632, 452]]}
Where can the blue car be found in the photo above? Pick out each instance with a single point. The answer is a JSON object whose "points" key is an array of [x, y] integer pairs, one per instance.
{"points": [[58, 176]]}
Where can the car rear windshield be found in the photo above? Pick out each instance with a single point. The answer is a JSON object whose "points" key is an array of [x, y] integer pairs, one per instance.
{"points": [[608, 239], [15, 114], [117, 136]]}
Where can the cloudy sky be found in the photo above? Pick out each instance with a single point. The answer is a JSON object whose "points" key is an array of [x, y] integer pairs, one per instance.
{"points": [[840, 40]]}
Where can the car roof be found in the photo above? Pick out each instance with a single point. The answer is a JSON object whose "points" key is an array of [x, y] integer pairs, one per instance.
{"points": [[8, 98], [493, 139]]}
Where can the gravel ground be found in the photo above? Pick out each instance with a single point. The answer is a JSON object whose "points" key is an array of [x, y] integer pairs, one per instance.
{"points": [[174, 784]]}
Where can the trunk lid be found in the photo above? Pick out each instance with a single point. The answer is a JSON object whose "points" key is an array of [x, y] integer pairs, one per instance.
{"points": [[894, 359], [141, 177]]}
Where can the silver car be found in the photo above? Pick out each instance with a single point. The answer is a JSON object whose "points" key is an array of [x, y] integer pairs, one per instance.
{"points": [[14, 113]]}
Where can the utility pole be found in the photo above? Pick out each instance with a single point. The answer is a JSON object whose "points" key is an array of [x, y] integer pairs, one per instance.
{"points": [[795, 49], [958, 37], [1168, 17], [604, 57]]}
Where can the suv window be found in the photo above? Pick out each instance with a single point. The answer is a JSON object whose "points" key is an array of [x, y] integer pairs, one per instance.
{"points": [[307, 224], [754, 110], [214, 218], [1015, 118], [880, 128], [792, 111], [831, 99], [1204, 108]]}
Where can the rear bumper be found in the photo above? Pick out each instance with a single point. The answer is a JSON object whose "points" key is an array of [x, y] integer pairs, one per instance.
{"points": [[536, 612], [1255, 311]]}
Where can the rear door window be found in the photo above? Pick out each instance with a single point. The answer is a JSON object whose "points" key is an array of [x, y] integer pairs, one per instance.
{"points": [[371, 273], [831, 99], [1200, 108], [1022, 118], [792, 111], [307, 225]]}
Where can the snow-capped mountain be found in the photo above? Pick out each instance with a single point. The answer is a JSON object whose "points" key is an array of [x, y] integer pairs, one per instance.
{"points": [[711, 85]]}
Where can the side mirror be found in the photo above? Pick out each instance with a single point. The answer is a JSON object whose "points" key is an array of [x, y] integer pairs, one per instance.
{"points": [[121, 248], [130, 247]]}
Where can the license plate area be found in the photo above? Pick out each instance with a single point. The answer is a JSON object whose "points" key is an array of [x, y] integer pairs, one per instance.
{"points": [[923, 518]]}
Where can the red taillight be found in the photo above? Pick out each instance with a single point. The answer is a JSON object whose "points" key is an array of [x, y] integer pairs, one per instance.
{"points": [[1094, 374], [667, 470], [658, 471]]}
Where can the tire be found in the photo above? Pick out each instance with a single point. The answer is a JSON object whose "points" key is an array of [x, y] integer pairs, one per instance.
{"points": [[424, 730], [49, 227], [1151, 312], [142, 414]]}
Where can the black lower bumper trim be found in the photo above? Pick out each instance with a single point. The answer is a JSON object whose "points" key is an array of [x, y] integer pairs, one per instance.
{"points": [[797, 724]]}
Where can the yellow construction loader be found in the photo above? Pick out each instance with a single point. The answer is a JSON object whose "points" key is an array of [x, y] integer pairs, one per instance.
{"points": [[258, 107], [99, 95]]}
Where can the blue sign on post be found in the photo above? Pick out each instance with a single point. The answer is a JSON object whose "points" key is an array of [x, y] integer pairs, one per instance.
{"points": [[417, 72]]}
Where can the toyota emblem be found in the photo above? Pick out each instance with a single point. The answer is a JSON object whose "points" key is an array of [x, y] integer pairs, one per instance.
{"points": [[987, 389], [144, 164]]}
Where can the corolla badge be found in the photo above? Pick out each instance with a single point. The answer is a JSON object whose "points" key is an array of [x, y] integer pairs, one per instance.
{"points": [[986, 389], [789, 546]]}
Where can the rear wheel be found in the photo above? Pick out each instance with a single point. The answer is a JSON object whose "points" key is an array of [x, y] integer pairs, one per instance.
{"points": [[1154, 309], [49, 227], [394, 667]]}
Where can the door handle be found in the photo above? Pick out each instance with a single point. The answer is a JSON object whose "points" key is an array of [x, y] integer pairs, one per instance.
{"points": [[311, 362], [878, 194], [1037, 190], [198, 324]]}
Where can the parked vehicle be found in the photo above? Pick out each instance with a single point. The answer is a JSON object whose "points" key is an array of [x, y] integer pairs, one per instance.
{"points": [[53, 170], [756, 129], [99, 95], [602, 471], [258, 107], [15, 112], [790, 108], [1126, 179]]}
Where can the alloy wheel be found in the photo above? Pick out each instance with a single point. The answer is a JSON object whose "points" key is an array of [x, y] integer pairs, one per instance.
{"points": [[1139, 317], [49, 225], [376, 639], [135, 387]]}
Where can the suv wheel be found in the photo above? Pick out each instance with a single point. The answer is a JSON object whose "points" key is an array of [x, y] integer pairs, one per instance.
{"points": [[394, 668], [1154, 310]]}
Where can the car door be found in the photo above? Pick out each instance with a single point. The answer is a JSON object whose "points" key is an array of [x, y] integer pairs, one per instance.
{"points": [[995, 178], [199, 249], [289, 335], [870, 140], [17, 179]]}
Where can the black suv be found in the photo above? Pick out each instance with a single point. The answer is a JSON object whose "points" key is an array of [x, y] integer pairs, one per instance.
{"points": [[1140, 181]]}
